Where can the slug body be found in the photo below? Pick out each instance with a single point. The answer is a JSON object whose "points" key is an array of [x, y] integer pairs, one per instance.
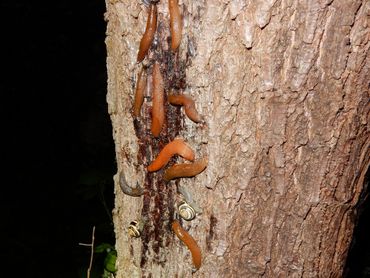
{"points": [[188, 104], [177, 146], [175, 23], [189, 241], [157, 101], [185, 170], [147, 39], [139, 93], [131, 191]]}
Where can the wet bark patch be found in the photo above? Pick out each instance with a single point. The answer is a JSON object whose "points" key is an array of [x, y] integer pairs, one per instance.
{"points": [[158, 199]]}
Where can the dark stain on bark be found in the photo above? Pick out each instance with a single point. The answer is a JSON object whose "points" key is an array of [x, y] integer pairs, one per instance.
{"points": [[131, 250], [212, 224], [159, 196]]}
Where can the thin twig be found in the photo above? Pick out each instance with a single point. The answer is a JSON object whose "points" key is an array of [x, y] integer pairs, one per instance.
{"points": [[92, 252], [84, 244]]}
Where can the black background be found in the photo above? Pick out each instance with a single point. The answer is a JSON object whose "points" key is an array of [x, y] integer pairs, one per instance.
{"points": [[58, 152]]}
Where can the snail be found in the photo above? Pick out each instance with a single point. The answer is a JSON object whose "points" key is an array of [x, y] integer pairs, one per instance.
{"points": [[186, 211], [135, 228]]}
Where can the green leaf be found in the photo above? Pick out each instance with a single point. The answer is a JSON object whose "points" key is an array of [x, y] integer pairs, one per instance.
{"points": [[104, 247], [110, 261]]}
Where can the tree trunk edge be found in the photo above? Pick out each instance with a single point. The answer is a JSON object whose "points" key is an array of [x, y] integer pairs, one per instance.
{"points": [[292, 178]]}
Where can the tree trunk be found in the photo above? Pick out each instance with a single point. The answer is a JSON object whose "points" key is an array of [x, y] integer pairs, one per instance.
{"points": [[283, 87]]}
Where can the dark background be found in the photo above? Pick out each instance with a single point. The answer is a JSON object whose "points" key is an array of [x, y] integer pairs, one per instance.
{"points": [[58, 150]]}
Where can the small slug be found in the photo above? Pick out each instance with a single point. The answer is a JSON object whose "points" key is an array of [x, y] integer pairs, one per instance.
{"points": [[139, 93], [157, 101], [185, 170], [175, 23], [132, 191], [177, 146], [188, 104], [151, 26], [189, 241]]}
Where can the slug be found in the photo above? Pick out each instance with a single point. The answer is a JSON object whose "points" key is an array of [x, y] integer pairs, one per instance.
{"points": [[157, 101], [185, 170], [139, 93], [151, 26], [189, 241], [188, 104], [132, 191], [177, 146], [175, 23]]}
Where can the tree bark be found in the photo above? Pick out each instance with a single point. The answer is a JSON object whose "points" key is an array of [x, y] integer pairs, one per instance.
{"points": [[283, 87]]}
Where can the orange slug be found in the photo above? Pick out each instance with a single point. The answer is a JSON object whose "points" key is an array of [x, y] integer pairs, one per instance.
{"points": [[151, 26], [177, 146], [188, 104], [189, 241], [185, 170], [157, 101], [139, 94], [175, 23]]}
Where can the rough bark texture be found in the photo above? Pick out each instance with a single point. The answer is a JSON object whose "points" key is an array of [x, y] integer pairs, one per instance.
{"points": [[284, 89]]}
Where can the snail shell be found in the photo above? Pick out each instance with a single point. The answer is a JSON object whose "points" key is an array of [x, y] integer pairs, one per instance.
{"points": [[135, 228], [186, 211]]}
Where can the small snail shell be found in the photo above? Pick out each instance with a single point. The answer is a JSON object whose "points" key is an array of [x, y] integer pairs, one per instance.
{"points": [[135, 228], [186, 211]]}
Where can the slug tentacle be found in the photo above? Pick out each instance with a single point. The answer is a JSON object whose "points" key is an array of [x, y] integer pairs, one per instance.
{"points": [[175, 23], [188, 104], [185, 170], [139, 93], [131, 191], [177, 146], [189, 241], [148, 36], [157, 101]]}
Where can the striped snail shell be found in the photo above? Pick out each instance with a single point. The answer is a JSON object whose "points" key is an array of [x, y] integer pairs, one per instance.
{"points": [[186, 211], [135, 228]]}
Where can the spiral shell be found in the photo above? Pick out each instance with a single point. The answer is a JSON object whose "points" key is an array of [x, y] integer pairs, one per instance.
{"points": [[135, 228], [186, 211]]}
